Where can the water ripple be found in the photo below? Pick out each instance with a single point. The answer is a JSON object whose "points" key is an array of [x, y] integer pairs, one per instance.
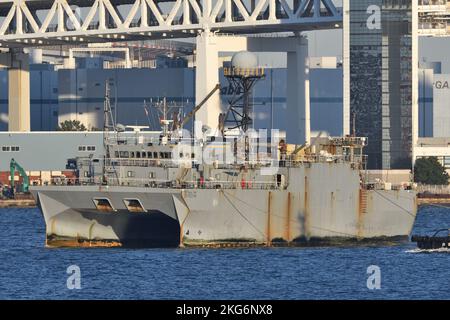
{"points": [[28, 270]]}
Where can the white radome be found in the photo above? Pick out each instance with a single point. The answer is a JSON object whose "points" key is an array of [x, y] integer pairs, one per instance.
{"points": [[244, 60]]}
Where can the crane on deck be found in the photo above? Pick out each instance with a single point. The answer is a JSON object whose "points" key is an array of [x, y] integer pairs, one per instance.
{"points": [[194, 111]]}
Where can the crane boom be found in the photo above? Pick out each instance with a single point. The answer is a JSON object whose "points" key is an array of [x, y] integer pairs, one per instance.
{"points": [[194, 111]]}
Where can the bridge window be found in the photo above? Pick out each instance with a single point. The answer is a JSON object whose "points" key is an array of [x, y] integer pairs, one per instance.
{"points": [[124, 154], [103, 204], [134, 205]]}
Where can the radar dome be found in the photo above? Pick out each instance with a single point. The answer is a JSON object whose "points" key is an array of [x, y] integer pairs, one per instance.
{"points": [[244, 60]]}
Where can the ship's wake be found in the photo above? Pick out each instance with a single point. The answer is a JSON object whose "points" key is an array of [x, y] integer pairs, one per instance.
{"points": [[440, 250]]}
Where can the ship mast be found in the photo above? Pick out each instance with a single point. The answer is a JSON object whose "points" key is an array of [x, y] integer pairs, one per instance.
{"points": [[108, 125]]}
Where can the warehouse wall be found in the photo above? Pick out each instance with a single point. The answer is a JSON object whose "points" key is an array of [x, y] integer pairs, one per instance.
{"points": [[43, 98]]}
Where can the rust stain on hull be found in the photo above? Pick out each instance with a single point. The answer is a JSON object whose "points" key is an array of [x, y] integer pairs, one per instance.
{"points": [[307, 213], [288, 219], [243, 244], [78, 243], [269, 209], [312, 242], [362, 210]]}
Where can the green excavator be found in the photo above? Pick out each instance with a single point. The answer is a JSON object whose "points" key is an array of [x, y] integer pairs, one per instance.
{"points": [[13, 166]]}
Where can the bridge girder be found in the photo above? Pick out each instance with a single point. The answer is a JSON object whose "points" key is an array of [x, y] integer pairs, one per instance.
{"points": [[44, 22]]}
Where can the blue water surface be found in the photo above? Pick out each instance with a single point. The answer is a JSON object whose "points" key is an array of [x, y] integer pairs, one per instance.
{"points": [[28, 270]]}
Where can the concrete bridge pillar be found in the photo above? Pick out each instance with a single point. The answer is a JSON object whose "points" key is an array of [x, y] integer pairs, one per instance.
{"points": [[18, 66], [206, 78], [298, 104]]}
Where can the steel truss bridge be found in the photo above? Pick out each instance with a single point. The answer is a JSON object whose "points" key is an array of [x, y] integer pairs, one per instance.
{"points": [[50, 22]]}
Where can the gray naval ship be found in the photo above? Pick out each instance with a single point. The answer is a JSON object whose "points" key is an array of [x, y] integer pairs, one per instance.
{"points": [[226, 188], [157, 192]]}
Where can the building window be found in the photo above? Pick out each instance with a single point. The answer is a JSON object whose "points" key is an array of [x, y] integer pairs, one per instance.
{"points": [[10, 148], [447, 162], [86, 148]]}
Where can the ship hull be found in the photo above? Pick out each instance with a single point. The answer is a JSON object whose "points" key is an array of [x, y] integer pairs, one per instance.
{"points": [[309, 212]]}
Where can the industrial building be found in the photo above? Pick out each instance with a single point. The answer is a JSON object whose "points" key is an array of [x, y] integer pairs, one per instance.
{"points": [[78, 94], [382, 80]]}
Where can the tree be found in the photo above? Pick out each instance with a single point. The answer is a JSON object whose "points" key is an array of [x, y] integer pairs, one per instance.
{"points": [[71, 125], [430, 171]]}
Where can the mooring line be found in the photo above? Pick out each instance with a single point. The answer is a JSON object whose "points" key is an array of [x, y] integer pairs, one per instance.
{"points": [[243, 216], [395, 204], [292, 220]]}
